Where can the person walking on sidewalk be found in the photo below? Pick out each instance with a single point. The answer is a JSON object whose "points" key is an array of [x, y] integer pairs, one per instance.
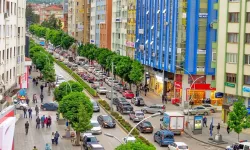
{"points": [[204, 121], [218, 128], [24, 112], [35, 148], [36, 81], [34, 98], [47, 147], [37, 110], [163, 98], [41, 97], [52, 137], [42, 120], [27, 127], [57, 135], [38, 120], [49, 122], [27, 101], [30, 113], [46, 122], [228, 129], [41, 87], [145, 90]]}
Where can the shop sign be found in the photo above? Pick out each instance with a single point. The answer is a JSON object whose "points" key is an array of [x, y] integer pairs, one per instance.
{"points": [[203, 15], [218, 95], [246, 89], [202, 87], [198, 122], [130, 44], [230, 84], [177, 85]]}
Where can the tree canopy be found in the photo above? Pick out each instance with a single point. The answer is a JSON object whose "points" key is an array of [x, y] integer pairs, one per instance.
{"points": [[31, 17], [134, 146], [52, 23]]}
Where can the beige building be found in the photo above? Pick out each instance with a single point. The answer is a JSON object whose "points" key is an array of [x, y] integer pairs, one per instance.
{"points": [[233, 52]]}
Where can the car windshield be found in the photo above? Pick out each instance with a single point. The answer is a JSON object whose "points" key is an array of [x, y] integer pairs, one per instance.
{"points": [[122, 99], [60, 78], [168, 137], [91, 139], [94, 104], [147, 124], [139, 114], [95, 124], [129, 92], [107, 118], [126, 104], [183, 147]]}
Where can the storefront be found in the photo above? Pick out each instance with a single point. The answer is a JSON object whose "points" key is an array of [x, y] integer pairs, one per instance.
{"points": [[227, 106], [154, 80]]}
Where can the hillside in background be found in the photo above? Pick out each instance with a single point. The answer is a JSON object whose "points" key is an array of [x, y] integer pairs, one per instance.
{"points": [[45, 1]]}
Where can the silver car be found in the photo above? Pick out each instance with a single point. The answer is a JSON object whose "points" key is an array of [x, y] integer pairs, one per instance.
{"points": [[136, 116], [210, 107], [198, 110], [155, 108], [108, 95], [101, 90], [96, 107], [137, 101]]}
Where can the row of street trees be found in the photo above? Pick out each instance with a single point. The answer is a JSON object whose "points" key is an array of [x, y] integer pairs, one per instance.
{"points": [[56, 37], [129, 70], [43, 62]]}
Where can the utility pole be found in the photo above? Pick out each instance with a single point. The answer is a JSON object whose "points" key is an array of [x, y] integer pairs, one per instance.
{"points": [[112, 84]]}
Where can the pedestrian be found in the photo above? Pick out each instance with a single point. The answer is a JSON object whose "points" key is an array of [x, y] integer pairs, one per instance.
{"points": [[37, 110], [46, 122], [27, 127], [228, 129], [163, 98], [57, 135], [137, 93], [30, 113], [38, 120], [34, 98], [204, 121], [35, 148], [24, 112], [47, 147], [42, 120], [49, 121], [41, 87], [36, 81], [218, 128], [41, 97], [27, 101], [46, 84], [145, 89], [52, 137]]}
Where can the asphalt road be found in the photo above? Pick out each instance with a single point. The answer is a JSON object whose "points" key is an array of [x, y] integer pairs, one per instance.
{"points": [[193, 144], [107, 142]]}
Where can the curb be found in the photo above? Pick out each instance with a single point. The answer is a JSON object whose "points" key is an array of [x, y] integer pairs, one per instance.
{"points": [[203, 141]]}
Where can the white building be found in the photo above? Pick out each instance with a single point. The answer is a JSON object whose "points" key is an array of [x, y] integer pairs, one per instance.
{"points": [[12, 44], [119, 25]]}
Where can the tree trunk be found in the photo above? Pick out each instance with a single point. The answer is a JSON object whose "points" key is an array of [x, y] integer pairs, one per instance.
{"points": [[49, 91], [238, 137], [130, 86], [77, 138]]}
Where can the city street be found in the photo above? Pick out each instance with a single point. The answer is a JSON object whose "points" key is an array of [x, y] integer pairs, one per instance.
{"points": [[193, 144]]}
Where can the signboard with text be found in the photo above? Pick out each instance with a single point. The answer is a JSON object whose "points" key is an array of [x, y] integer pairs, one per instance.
{"points": [[232, 85], [246, 89]]}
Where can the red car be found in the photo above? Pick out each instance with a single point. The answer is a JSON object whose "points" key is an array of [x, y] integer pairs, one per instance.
{"points": [[91, 79], [128, 94]]}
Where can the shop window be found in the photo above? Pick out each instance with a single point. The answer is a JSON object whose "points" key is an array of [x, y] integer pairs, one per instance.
{"points": [[233, 37], [247, 80], [231, 77]]}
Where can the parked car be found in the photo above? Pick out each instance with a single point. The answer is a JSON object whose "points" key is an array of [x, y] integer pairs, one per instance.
{"points": [[79, 60], [86, 66], [117, 86], [136, 116], [210, 107], [102, 90], [79, 70], [74, 67], [117, 100], [90, 69], [93, 146], [95, 85], [96, 128], [20, 104], [137, 101], [145, 127], [107, 79], [95, 70], [52, 106], [61, 58], [124, 107], [65, 61], [164, 137], [178, 146], [114, 82], [128, 94], [108, 95], [155, 108], [87, 139], [85, 76], [96, 107], [122, 89], [106, 121], [91, 79], [197, 110], [60, 79]]}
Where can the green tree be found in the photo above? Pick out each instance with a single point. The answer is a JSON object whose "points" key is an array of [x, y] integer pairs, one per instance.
{"points": [[67, 41], [52, 22], [31, 17], [70, 107], [123, 67], [49, 75], [64, 89], [134, 146], [136, 73], [239, 118]]}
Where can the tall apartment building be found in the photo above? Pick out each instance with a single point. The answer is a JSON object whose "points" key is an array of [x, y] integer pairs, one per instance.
{"points": [[12, 45], [75, 19], [119, 26], [233, 52], [131, 22], [93, 26], [86, 21], [49, 10], [65, 15], [174, 42]]}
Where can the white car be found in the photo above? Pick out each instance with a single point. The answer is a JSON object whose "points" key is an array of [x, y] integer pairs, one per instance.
{"points": [[210, 107], [107, 79], [86, 66], [129, 139], [178, 146], [90, 69], [60, 79], [96, 128], [21, 105], [114, 82], [102, 90], [95, 71]]}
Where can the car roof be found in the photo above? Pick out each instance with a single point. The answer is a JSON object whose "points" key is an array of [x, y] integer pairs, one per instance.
{"points": [[93, 121], [94, 145], [180, 143]]}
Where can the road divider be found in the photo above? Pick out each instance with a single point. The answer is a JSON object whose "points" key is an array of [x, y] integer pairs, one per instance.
{"points": [[126, 126]]}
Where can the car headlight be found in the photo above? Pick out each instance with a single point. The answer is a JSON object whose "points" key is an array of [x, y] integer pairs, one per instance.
{"points": [[105, 123]]}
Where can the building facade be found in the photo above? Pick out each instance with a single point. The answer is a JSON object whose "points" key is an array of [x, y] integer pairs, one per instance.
{"points": [[47, 11], [65, 15], [119, 26], [93, 22], [174, 42], [131, 22], [86, 21], [232, 52], [12, 45]]}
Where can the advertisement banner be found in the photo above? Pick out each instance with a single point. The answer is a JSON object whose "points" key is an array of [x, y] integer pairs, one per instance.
{"points": [[246, 89], [198, 122], [7, 129]]}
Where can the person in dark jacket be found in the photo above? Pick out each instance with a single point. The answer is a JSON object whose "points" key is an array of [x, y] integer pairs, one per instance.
{"points": [[24, 112], [41, 87], [57, 135], [30, 113], [27, 127], [41, 97], [218, 128], [38, 121]]}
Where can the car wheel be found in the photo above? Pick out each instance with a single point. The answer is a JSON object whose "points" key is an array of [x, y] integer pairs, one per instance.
{"points": [[205, 113], [103, 126], [213, 111], [144, 111]]}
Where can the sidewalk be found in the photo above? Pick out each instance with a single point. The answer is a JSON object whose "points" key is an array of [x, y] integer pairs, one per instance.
{"points": [[39, 137]]}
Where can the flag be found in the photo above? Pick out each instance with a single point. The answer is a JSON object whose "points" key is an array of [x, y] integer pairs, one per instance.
{"points": [[211, 127]]}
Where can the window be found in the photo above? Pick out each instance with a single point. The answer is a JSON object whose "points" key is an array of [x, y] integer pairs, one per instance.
{"points": [[231, 77], [247, 59], [234, 0], [248, 17], [214, 56], [247, 80], [232, 58], [248, 38], [233, 17], [233, 37]]}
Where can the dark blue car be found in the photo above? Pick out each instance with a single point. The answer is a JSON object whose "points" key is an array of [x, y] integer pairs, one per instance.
{"points": [[49, 106], [164, 137]]}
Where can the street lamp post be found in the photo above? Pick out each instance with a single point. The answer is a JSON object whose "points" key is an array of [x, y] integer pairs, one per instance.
{"points": [[112, 136], [112, 84]]}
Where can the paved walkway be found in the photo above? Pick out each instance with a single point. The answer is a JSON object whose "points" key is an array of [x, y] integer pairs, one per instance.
{"points": [[39, 137]]}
